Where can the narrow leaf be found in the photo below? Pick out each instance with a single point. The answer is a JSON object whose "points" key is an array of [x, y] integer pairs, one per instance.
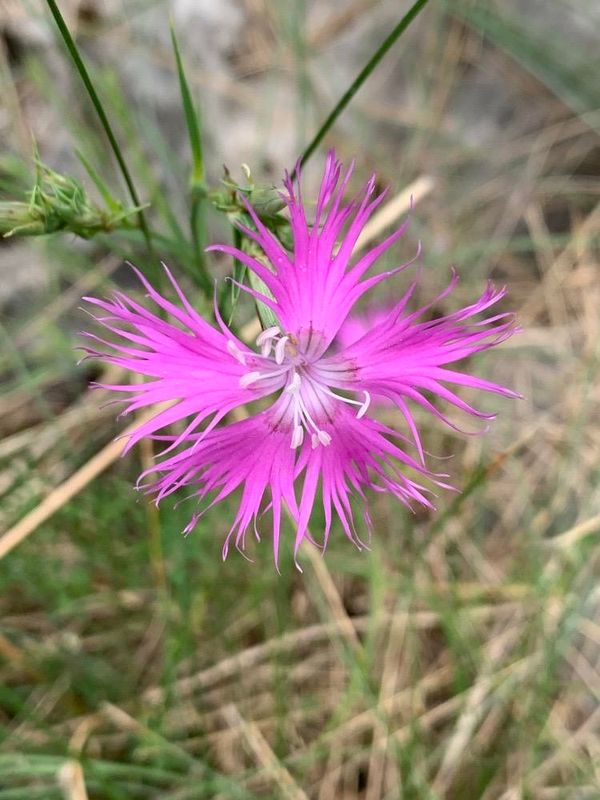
{"points": [[191, 117], [197, 185], [102, 188]]}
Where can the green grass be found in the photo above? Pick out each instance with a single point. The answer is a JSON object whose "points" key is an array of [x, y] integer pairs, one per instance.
{"points": [[455, 660]]}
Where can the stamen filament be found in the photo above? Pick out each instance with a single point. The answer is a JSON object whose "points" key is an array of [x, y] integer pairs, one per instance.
{"points": [[363, 406], [252, 377]]}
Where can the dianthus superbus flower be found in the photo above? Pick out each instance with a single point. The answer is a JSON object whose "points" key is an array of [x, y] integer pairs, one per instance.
{"points": [[313, 438]]}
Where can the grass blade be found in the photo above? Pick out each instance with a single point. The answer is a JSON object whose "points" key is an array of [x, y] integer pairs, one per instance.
{"points": [[197, 176], [566, 72], [100, 185], [191, 117], [362, 76]]}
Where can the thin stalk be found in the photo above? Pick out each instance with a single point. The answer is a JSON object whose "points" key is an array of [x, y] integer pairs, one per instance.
{"points": [[84, 75], [361, 78]]}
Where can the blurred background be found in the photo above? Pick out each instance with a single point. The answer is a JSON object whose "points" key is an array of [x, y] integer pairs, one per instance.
{"points": [[460, 657]]}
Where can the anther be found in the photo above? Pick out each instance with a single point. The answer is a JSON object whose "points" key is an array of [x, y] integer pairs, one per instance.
{"points": [[363, 409], [297, 437], [266, 335], [294, 385], [280, 349], [324, 438], [320, 437]]}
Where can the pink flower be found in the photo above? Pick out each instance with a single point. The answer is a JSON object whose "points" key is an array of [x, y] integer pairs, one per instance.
{"points": [[314, 437]]}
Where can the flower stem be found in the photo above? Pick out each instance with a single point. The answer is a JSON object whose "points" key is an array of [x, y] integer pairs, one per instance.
{"points": [[361, 78]]}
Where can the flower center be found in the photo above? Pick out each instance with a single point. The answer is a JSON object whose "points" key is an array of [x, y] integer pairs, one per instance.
{"points": [[307, 403]]}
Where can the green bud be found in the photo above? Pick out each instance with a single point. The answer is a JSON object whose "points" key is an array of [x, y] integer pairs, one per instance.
{"points": [[60, 203], [266, 201]]}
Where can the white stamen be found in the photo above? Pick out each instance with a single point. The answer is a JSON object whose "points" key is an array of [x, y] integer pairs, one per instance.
{"points": [[280, 349], [265, 349], [363, 406], [267, 335], [324, 438], [306, 414], [294, 386], [235, 351], [297, 437], [363, 409], [320, 437], [301, 413]]}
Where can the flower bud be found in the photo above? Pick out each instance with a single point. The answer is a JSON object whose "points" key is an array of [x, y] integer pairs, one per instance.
{"points": [[60, 203]]}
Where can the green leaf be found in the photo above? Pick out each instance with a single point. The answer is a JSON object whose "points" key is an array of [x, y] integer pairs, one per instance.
{"points": [[197, 176], [191, 117]]}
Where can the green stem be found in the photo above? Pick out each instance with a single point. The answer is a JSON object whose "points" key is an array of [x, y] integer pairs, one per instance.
{"points": [[361, 78], [84, 75]]}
